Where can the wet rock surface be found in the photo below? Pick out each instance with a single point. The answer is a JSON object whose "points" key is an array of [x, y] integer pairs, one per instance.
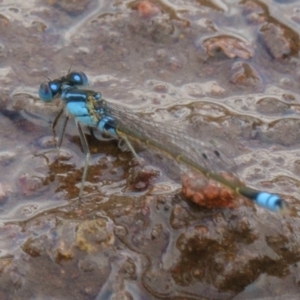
{"points": [[221, 71]]}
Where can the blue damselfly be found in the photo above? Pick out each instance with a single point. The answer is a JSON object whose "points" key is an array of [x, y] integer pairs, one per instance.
{"points": [[88, 108]]}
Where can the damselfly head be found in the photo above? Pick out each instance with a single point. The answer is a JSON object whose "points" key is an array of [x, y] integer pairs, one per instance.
{"points": [[49, 90]]}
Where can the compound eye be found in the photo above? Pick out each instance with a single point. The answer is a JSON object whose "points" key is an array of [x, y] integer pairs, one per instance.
{"points": [[48, 90], [77, 78]]}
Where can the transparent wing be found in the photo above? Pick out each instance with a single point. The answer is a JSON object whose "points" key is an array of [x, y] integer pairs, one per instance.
{"points": [[181, 140]]}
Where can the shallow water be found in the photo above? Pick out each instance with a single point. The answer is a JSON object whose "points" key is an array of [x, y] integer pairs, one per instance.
{"points": [[221, 70]]}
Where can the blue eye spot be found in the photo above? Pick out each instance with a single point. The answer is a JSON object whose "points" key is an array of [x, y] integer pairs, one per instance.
{"points": [[77, 78], [54, 86]]}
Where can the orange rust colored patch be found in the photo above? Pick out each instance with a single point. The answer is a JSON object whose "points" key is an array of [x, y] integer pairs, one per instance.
{"points": [[207, 193], [147, 9]]}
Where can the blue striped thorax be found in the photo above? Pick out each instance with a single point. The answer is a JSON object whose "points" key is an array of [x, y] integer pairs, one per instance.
{"points": [[81, 104], [88, 107]]}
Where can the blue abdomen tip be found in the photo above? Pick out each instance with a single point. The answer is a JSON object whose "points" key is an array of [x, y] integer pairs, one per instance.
{"points": [[269, 201]]}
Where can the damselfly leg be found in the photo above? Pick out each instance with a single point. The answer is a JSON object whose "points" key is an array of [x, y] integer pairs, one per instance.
{"points": [[63, 130], [86, 151]]}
